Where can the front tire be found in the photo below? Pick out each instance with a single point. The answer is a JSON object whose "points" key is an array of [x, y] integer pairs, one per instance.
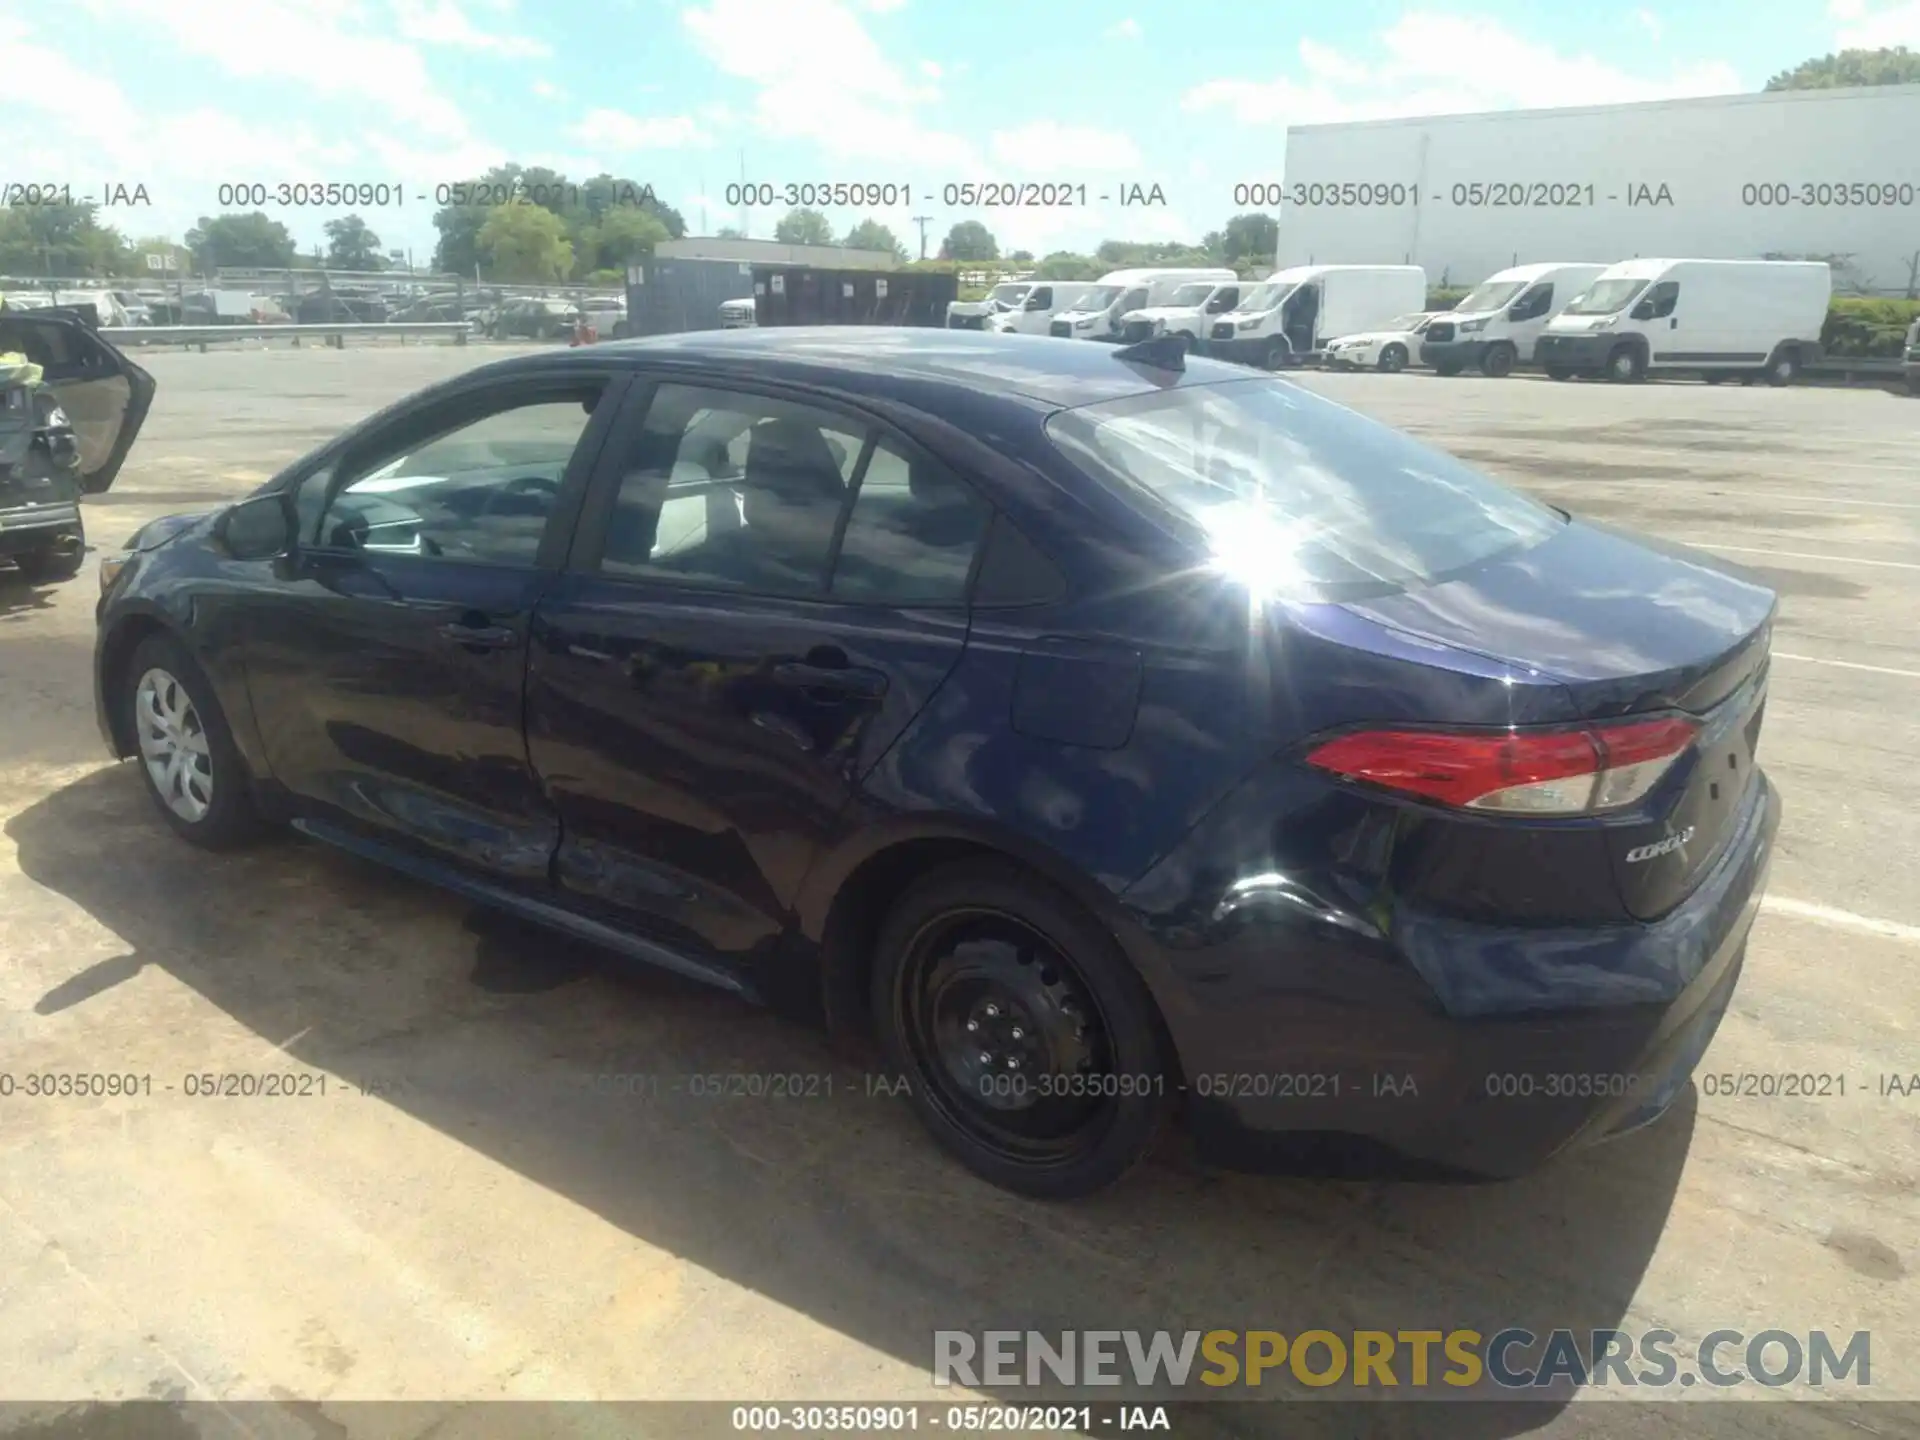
{"points": [[1393, 359], [1031, 1046], [1275, 356], [1626, 366], [188, 761], [1497, 363], [1784, 368]]}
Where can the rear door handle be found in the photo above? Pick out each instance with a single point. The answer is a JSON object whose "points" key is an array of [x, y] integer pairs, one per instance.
{"points": [[852, 680], [481, 637]]}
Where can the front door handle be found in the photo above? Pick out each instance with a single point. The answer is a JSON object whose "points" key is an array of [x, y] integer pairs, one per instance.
{"points": [[853, 681], [481, 637]]}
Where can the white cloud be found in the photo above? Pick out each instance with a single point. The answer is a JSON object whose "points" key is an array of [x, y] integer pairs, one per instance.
{"points": [[1127, 29], [1417, 72], [443, 22], [1046, 146], [1870, 29], [822, 78], [617, 130], [290, 43], [881, 7], [930, 69], [1651, 23], [547, 90]]}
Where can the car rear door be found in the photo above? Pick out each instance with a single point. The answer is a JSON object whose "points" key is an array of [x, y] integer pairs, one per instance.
{"points": [[104, 394], [386, 657], [765, 590]]}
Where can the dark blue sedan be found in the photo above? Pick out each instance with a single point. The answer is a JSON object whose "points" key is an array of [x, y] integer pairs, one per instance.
{"points": [[1102, 732]]}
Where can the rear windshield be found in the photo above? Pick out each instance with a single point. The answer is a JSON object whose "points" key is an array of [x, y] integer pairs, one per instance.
{"points": [[1297, 496]]}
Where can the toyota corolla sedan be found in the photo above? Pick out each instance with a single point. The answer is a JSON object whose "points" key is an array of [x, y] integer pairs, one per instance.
{"points": [[1102, 732]]}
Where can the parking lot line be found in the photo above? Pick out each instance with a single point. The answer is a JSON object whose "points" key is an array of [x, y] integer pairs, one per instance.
{"points": [[1846, 664], [1842, 919], [1801, 555]]}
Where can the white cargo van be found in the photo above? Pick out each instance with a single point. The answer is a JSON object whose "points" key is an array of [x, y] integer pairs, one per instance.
{"points": [[974, 314], [1097, 314], [1034, 314], [1724, 319], [1187, 311], [1496, 324], [1294, 312]]}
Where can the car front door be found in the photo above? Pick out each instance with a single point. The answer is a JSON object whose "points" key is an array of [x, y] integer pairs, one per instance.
{"points": [[386, 657], [104, 394], [763, 593]]}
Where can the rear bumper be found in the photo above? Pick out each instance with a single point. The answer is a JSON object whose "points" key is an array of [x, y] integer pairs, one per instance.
{"points": [[1624, 1013], [1464, 353], [31, 528], [1574, 352]]}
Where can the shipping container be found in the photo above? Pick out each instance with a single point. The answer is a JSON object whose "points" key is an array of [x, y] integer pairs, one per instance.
{"points": [[1806, 174], [665, 297], [804, 296]]}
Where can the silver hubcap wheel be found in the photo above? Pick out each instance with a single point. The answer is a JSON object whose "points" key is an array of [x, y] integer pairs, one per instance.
{"points": [[173, 745]]}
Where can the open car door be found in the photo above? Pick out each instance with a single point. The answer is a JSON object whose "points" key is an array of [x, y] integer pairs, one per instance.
{"points": [[104, 394]]}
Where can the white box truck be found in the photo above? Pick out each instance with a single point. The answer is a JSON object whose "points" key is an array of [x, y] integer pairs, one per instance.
{"points": [[1187, 311], [1723, 319], [1045, 300], [1293, 313], [1097, 315], [1496, 324]]}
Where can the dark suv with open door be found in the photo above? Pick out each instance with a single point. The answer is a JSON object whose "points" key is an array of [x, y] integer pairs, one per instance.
{"points": [[67, 420]]}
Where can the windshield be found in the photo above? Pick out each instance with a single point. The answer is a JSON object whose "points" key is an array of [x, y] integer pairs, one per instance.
{"points": [[1490, 295], [1192, 294], [1265, 297], [1098, 297], [1295, 496], [1607, 296], [1008, 296]]}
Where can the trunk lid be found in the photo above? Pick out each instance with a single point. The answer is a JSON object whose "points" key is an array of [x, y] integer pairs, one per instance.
{"points": [[1628, 625]]}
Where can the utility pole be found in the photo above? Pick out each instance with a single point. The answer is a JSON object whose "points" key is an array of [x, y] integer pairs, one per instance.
{"points": [[923, 221]]}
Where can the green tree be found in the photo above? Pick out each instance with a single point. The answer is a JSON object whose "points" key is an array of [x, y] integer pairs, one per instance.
{"points": [[251, 239], [969, 240], [623, 236], [801, 226], [1253, 236], [1889, 65], [351, 245], [524, 241], [1022, 257], [872, 235], [458, 249], [1067, 265], [59, 240], [606, 192], [729, 232]]}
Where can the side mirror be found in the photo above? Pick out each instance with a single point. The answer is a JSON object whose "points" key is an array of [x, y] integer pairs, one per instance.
{"points": [[262, 528]]}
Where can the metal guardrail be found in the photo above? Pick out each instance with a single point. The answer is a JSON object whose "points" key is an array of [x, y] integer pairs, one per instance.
{"points": [[335, 335]]}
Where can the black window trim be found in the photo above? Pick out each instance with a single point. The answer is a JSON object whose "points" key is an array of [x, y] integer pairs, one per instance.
{"points": [[588, 546], [342, 453]]}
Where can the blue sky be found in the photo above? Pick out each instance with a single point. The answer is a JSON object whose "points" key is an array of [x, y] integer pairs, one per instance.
{"points": [[181, 95]]}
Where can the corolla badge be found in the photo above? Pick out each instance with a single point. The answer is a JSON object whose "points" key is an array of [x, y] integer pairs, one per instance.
{"points": [[1659, 847]]}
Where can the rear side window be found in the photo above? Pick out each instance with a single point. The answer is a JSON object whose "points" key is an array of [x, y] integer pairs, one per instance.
{"points": [[1295, 495]]}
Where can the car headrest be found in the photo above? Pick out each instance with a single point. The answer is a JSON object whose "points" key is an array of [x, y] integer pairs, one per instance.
{"points": [[791, 459]]}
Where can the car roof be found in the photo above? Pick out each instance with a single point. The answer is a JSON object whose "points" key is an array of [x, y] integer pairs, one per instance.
{"points": [[882, 359]]}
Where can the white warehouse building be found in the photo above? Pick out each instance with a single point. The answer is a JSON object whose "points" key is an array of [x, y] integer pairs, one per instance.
{"points": [[1813, 174]]}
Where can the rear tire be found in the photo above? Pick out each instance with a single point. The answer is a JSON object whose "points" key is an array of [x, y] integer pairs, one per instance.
{"points": [[1393, 359], [1784, 368], [1497, 362], [50, 566], [989, 985], [188, 762], [1626, 366]]}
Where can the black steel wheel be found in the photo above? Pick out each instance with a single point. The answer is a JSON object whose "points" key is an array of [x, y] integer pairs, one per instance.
{"points": [[1031, 1047]]}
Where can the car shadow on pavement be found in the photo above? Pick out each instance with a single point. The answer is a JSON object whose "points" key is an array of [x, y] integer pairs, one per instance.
{"points": [[584, 1075]]}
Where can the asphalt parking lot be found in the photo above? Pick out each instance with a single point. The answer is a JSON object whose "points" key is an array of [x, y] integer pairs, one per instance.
{"points": [[462, 1217]]}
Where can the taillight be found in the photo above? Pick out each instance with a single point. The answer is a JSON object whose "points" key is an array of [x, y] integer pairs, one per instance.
{"points": [[1535, 772]]}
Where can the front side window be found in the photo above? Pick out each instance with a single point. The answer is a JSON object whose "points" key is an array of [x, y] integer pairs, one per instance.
{"points": [[1663, 298], [1532, 305], [479, 487], [1295, 495]]}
